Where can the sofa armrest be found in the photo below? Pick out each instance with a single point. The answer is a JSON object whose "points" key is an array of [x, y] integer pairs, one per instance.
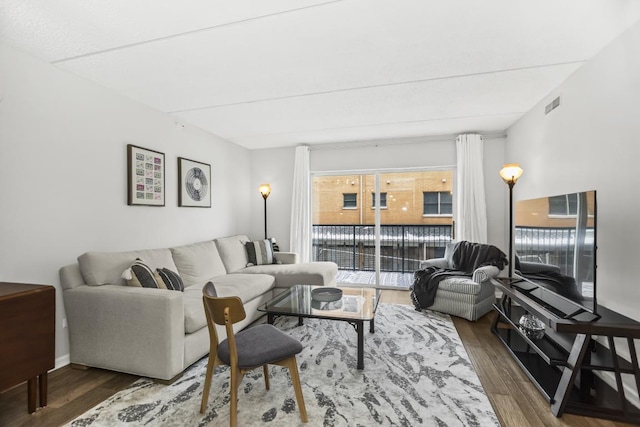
{"points": [[482, 274], [286, 257], [434, 262], [126, 329]]}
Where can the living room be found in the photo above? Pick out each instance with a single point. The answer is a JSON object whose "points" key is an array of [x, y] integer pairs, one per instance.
{"points": [[72, 132]]}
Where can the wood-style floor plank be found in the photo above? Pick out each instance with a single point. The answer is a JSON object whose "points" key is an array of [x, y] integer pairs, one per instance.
{"points": [[71, 393], [514, 398]]}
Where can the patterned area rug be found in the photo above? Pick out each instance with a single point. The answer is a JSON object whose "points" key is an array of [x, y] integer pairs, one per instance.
{"points": [[416, 373]]}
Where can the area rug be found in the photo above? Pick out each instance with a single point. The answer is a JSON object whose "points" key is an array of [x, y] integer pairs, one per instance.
{"points": [[416, 373]]}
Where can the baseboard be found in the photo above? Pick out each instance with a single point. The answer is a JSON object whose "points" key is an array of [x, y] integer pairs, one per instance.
{"points": [[62, 361]]}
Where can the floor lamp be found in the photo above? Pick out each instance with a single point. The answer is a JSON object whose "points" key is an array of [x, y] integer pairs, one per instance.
{"points": [[265, 190], [510, 173]]}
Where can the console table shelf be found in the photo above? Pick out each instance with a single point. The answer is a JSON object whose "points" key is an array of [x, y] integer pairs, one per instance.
{"points": [[564, 362]]}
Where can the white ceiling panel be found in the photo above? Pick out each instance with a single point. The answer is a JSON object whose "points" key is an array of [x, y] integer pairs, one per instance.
{"points": [[260, 72], [470, 96], [58, 29], [482, 124], [322, 49]]}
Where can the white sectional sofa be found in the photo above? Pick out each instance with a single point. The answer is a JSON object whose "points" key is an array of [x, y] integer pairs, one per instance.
{"points": [[158, 333]]}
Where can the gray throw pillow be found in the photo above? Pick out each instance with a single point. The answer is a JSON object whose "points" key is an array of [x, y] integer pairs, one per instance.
{"points": [[259, 252], [171, 279]]}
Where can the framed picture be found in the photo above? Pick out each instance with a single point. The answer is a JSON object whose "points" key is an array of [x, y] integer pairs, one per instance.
{"points": [[145, 176], [194, 183]]}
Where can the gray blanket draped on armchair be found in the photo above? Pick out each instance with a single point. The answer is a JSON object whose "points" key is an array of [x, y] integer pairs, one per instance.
{"points": [[466, 258]]}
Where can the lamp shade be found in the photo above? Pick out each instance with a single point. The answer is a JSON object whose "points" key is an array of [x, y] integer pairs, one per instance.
{"points": [[265, 190], [510, 172]]}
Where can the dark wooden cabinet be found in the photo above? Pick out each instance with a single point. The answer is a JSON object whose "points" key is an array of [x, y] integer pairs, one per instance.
{"points": [[27, 338], [567, 364]]}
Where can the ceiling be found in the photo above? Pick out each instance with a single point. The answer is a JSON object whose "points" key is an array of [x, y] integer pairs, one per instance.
{"points": [[284, 72]]}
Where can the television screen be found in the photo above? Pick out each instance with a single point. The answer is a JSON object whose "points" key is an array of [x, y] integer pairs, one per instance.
{"points": [[555, 245]]}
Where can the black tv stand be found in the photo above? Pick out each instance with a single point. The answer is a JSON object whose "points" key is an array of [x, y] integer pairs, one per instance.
{"points": [[563, 364]]}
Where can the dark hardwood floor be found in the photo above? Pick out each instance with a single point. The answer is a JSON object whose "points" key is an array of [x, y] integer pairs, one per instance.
{"points": [[515, 400]]}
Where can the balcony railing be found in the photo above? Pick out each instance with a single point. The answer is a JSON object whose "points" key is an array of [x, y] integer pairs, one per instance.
{"points": [[402, 247], [554, 246]]}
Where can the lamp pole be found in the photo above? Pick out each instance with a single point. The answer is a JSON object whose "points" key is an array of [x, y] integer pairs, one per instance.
{"points": [[511, 183], [265, 215], [510, 173], [265, 190]]}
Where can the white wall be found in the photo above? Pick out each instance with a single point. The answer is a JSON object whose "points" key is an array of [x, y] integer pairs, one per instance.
{"points": [[590, 142], [63, 176], [276, 166], [272, 166]]}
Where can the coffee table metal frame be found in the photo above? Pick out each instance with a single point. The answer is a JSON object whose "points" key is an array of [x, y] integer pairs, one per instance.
{"points": [[298, 302]]}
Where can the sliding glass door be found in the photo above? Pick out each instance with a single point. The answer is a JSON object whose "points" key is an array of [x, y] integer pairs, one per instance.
{"points": [[377, 226]]}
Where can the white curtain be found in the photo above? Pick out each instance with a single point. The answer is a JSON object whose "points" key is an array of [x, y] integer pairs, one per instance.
{"points": [[471, 213], [300, 233]]}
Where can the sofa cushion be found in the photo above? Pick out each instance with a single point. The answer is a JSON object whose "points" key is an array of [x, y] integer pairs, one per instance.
{"points": [[233, 252], [259, 252], [245, 286], [449, 249], [319, 273], [100, 268], [171, 279], [198, 262], [141, 275], [461, 285]]}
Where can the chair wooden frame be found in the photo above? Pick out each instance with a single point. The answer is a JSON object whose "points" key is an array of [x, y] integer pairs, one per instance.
{"points": [[226, 312]]}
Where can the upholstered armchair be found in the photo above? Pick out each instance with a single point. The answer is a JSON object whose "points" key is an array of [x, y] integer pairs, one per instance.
{"points": [[468, 296]]}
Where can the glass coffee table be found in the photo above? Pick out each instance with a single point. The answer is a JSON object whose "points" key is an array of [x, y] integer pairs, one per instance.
{"points": [[357, 305]]}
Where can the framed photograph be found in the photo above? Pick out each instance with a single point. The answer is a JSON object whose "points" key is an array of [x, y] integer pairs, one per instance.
{"points": [[194, 183], [145, 176]]}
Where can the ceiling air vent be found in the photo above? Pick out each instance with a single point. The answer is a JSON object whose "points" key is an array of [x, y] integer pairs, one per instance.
{"points": [[552, 105]]}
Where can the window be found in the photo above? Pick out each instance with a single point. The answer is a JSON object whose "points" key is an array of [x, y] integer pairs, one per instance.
{"points": [[437, 203], [383, 200], [564, 205], [349, 200]]}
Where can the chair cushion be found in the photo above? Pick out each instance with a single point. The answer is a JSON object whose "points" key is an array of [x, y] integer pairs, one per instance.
{"points": [[259, 345], [460, 285]]}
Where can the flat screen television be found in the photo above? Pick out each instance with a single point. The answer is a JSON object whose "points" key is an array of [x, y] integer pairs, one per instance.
{"points": [[555, 245]]}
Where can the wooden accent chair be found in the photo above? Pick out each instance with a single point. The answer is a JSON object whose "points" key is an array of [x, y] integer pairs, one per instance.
{"points": [[251, 348]]}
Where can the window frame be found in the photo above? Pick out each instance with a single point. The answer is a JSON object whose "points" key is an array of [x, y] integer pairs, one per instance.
{"points": [[383, 200], [344, 201], [439, 204]]}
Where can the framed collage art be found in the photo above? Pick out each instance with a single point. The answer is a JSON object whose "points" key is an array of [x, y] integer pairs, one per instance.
{"points": [[145, 176]]}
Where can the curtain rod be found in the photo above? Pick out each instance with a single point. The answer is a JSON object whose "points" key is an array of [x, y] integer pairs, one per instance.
{"points": [[401, 141]]}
